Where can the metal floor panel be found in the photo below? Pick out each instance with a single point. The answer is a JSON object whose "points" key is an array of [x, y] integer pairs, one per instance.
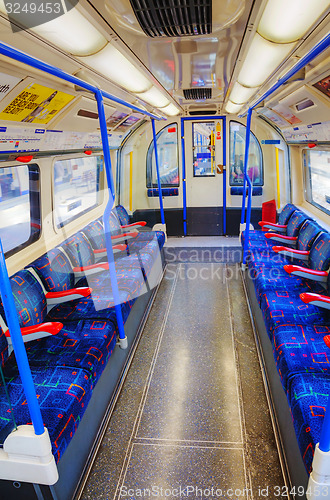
{"points": [[193, 411]]}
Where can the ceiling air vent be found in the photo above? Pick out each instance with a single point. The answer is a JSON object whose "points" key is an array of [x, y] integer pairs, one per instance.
{"points": [[197, 93], [169, 18]]}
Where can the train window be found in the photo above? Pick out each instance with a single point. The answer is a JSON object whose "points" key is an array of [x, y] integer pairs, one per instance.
{"points": [[76, 187], [237, 133], [19, 207], [204, 149], [317, 176], [167, 147]]}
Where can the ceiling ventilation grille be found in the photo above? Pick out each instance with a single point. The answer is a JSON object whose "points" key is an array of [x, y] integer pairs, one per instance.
{"points": [[169, 18], [198, 93]]}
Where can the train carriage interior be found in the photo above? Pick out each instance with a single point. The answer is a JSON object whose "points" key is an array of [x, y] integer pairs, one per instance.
{"points": [[164, 249]]}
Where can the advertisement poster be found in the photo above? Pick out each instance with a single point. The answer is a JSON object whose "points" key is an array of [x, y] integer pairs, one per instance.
{"points": [[36, 104], [323, 85], [115, 118], [129, 122], [7, 83], [285, 112]]}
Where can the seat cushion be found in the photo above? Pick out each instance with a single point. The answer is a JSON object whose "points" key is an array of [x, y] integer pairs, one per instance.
{"points": [[300, 349], [308, 399], [284, 307], [63, 394], [122, 215], [80, 344], [319, 255]]}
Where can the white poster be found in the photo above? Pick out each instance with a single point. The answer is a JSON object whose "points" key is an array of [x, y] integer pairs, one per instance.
{"points": [[7, 83]]}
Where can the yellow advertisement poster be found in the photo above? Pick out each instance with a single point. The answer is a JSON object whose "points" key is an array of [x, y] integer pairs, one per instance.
{"points": [[36, 104]]}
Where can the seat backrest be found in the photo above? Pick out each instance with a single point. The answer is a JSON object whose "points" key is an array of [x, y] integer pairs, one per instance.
{"points": [[95, 234], [54, 270], [307, 234], [295, 222], [286, 213], [29, 297], [79, 250], [319, 255], [122, 215]]}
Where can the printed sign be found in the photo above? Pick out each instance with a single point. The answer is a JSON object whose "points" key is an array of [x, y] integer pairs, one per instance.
{"points": [[7, 83], [218, 131], [323, 85], [36, 104]]}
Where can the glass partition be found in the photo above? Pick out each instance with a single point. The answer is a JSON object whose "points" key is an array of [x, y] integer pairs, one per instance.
{"points": [[76, 187], [167, 147], [237, 133], [317, 175]]}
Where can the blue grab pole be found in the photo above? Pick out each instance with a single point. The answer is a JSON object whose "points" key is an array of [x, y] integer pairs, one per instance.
{"points": [[157, 170], [18, 345], [107, 212], [184, 187], [324, 443], [247, 180]]}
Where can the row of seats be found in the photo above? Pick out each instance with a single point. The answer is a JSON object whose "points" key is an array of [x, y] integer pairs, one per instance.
{"points": [[289, 265], [65, 306]]}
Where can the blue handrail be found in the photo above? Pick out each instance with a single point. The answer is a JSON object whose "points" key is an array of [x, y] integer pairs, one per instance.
{"points": [[248, 181], [107, 213], [157, 171], [184, 187], [18, 345], [6, 293]]}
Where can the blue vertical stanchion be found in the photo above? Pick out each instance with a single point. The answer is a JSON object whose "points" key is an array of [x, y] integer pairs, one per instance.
{"points": [[184, 187], [248, 181], [162, 216], [106, 219], [324, 443], [19, 348]]}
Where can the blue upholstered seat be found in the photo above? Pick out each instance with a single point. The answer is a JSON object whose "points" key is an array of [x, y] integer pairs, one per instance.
{"points": [[308, 398], [63, 394], [300, 349]]}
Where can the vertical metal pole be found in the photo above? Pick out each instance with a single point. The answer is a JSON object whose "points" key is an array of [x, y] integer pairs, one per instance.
{"points": [[224, 178], [247, 180], [106, 220], [131, 181], [184, 187], [19, 348], [278, 178], [324, 444], [158, 175]]}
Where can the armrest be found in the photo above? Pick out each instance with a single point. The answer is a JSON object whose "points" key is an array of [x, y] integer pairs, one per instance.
{"points": [[291, 252], [326, 339], [281, 238], [316, 299], [67, 295], [38, 331], [125, 236], [90, 270], [270, 225], [115, 248], [304, 272], [134, 225]]}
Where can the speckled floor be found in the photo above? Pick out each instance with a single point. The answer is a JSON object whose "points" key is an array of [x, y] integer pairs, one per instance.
{"points": [[192, 419]]}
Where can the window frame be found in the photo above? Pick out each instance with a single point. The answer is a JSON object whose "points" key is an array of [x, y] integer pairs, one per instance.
{"points": [[36, 206], [100, 184], [307, 177], [149, 184], [262, 176]]}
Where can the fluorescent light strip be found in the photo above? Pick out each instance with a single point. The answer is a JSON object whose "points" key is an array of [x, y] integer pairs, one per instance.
{"points": [[240, 94], [231, 107], [112, 64], [171, 110], [261, 60], [154, 97], [285, 21]]}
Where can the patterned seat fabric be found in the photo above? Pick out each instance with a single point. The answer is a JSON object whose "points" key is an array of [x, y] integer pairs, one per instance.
{"points": [[308, 398], [286, 213], [54, 270], [63, 394], [122, 215], [300, 349]]}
